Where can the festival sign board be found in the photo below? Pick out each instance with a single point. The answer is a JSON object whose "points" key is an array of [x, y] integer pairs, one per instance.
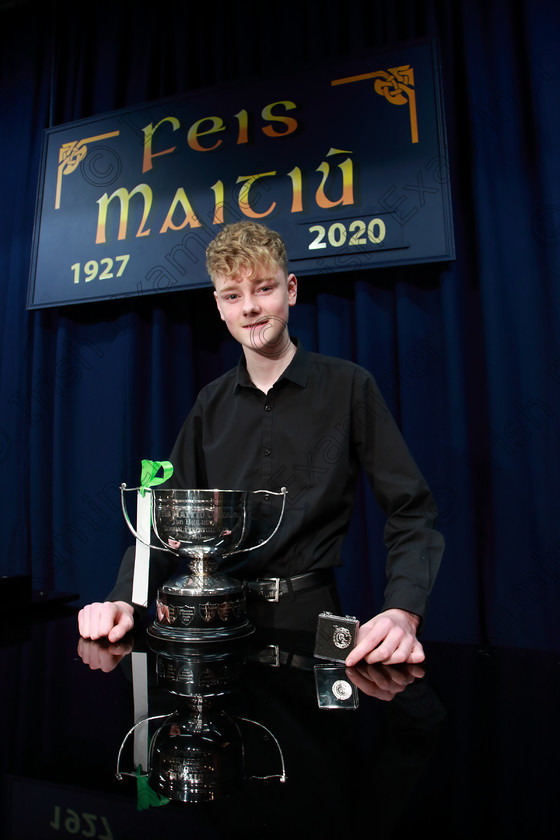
{"points": [[348, 162]]}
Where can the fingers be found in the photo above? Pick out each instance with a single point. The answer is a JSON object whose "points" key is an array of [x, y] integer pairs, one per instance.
{"points": [[125, 624], [387, 641], [370, 638], [417, 654], [86, 620], [95, 621], [406, 650], [396, 648]]}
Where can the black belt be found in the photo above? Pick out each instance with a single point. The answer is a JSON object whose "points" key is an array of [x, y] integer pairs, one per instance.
{"points": [[275, 657], [272, 589]]}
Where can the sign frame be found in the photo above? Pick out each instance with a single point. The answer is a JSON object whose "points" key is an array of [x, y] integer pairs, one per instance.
{"points": [[348, 162]]}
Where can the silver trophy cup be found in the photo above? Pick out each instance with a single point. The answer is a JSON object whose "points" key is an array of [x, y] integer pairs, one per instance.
{"points": [[202, 527]]}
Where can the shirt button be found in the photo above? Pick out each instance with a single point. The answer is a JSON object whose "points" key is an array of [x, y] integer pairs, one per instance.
{"points": [[267, 452], [268, 408]]}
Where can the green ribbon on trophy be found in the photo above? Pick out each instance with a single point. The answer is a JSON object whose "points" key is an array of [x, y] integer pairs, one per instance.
{"points": [[147, 797], [149, 476]]}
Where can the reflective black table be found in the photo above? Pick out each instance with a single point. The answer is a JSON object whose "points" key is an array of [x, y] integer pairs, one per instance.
{"points": [[263, 740]]}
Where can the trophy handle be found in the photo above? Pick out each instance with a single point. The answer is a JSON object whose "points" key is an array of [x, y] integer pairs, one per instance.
{"points": [[282, 492], [131, 528], [281, 776], [120, 773]]}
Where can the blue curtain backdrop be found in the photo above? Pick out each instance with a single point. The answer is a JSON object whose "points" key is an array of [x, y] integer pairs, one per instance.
{"points": [[467, 353]]}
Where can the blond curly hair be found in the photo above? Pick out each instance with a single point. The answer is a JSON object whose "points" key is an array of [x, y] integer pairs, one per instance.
{"points": [[245, 247]]}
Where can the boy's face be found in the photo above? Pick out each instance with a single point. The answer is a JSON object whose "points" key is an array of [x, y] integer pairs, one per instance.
{"points": [[255, 309]]}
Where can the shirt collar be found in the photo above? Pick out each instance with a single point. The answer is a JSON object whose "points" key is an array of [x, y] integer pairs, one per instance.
{"points": [[297, 371]]}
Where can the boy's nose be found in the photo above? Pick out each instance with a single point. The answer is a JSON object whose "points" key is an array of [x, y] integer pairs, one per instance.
{"points": [[250, 305]]}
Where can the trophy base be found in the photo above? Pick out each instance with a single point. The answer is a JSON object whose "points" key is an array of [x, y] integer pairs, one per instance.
{"points": [[201, 609], [188, 636]]}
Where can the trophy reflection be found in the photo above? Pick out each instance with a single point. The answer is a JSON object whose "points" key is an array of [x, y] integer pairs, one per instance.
{"points": [[203, 527], [196, 750]]}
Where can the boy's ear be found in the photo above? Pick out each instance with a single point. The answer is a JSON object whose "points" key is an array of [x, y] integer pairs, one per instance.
{"points": [[218, 305], [292, 289]]}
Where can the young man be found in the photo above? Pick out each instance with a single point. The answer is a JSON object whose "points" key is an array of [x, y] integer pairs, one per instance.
{"points": [[286, 417]]}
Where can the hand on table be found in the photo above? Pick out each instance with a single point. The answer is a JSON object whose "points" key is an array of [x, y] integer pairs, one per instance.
{"points": [[388, 638], [111, 619]]}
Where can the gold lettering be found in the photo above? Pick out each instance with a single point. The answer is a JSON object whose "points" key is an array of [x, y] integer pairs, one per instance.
{"points": [[149, 132], [218, 189], [217, 124], [244, 202], [290, 123], [243, 134], [346, 167], [180, 200], [124, 198], [297, 190]]}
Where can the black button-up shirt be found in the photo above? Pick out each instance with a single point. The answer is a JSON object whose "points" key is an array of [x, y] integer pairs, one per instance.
{"points": [[318, 426]]}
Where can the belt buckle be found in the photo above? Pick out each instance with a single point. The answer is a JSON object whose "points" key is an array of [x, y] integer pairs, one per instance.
{"points": [[269, 655], [274, 587]]}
